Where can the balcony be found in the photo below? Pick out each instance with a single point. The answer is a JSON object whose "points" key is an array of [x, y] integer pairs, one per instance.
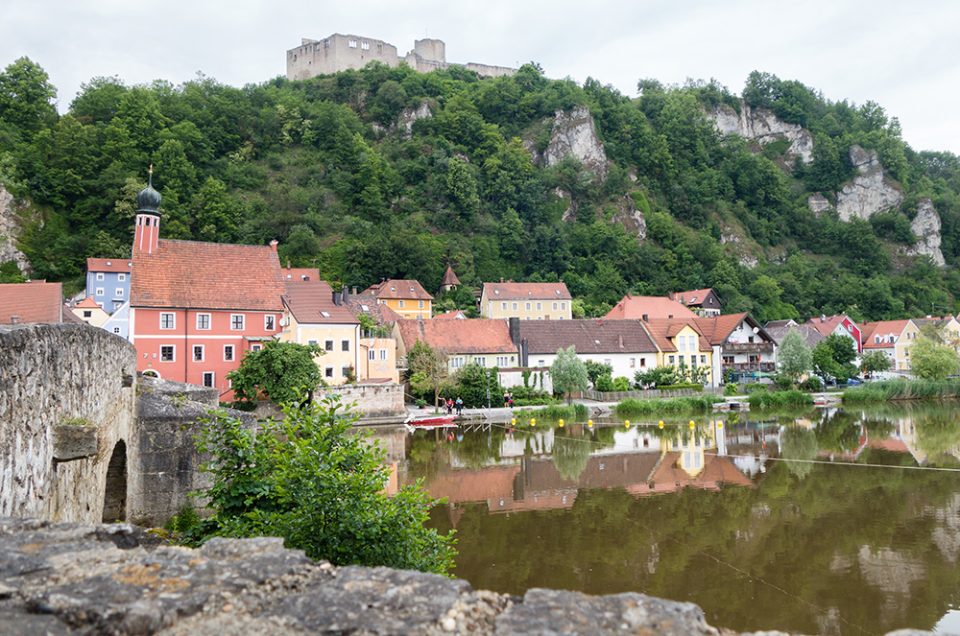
{"points": [[748, 347], [751, 367]]}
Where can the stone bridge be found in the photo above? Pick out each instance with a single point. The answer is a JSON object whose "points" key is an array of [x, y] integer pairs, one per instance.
{"points": [[82, 438]]}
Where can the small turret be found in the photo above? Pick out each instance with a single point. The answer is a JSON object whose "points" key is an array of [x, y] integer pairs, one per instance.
{"points": [[146, 234]]}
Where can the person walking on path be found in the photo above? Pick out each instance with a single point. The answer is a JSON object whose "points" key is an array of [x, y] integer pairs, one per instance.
{"points": [[459, 405]]}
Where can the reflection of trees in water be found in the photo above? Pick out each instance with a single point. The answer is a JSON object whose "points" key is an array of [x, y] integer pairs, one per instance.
{"points": [[938, 435], [570, 455], [479, 448], [798, 443], [839, 432]]}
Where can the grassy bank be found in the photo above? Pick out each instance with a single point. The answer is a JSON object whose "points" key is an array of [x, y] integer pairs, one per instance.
{"points": [[694, 404], [903, 390], [572, 412], [779, 399]]}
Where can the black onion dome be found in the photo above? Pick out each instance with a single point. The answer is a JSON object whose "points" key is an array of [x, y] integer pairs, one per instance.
{"points": [[148, 199]]}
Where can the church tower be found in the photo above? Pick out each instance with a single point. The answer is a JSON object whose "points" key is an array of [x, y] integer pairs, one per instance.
{"points": [[146, 234]]}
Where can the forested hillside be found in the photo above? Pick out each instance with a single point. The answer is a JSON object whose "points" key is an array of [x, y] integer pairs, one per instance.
{"points": [[391, 173]]}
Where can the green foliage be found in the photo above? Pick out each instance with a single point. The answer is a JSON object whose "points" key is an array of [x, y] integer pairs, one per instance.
{"points": [[568, 372], [779, 399], [833, 357], [794, 356], [731, 389], [632, 407], [569, 412], [280, 371], [922, 389], [10, 273], [798, 445], [813, 383], [931, 360], [621, 383], [311, 480], [875, 361], [477, 386], [597, 369], [657, 376], [428, 370]]}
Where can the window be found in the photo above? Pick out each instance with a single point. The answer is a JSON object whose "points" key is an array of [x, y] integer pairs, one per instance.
{"points": [[480, 361], [528, 306], [750, 339], [503, 306], [383, 354], [256, 347], [99, 291], [237, 322], [168, 321], [203, 322], [420, 304], [344, 345], [99, 276], [693, 361], [116, 330], [554, 305], [328, 372], [198, 353], [312, 342], [208, 378], [269, 323], [703, 359], [121, 277], [643, 363], [167, 353], [118, 292], [563, 305], [541, 363], [345, 371], [372, 354], [539, 306], [633, 363], [608, 362], [365, 46], [352, 44], [228, 353], [87, 313], [401, 303], [456, 363], [328, 345], [671, 359], [514, 306]]}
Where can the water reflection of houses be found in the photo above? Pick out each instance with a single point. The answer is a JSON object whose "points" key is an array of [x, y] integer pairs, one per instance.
{"points": [[547, 470]]}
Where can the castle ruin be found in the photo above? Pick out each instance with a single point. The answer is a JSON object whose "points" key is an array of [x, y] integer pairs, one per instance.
{"points": [[340, 52]]}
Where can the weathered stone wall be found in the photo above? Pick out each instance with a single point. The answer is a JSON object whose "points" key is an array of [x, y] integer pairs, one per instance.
{"points": [[54, 379], [372, 400]]}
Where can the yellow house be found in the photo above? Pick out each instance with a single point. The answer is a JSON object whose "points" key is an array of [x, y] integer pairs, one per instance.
{"points": [[682, 345], [893, 338], [378, 360], [526, 301], [311, 317], [463, 342], [90, 312], [407, 298]]}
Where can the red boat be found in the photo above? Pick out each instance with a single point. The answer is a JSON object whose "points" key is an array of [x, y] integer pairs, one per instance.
{"points": [[427, 423]]}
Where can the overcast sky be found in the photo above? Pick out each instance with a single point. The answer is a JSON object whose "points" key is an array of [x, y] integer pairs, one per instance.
{"points": [[903, 55]]}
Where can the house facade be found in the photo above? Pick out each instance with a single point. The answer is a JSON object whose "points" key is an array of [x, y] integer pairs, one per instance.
{"points": [[476, 341], [90, 312], [311, 317], [741, 346], [108, 282], [407, 298], [703, 302], [119, 322], [623, 344], [378, 360], [197, 308], [526, 301], [841, 325], [893, 338], [681, 345]]}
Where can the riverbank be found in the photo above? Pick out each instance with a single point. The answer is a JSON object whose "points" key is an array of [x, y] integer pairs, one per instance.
{"points": [[903, 390]]}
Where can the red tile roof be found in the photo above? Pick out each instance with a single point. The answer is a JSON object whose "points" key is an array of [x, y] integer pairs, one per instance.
{"points": [[719, 328], [118, 265], [692, 298], [663, 331], [193, 274], [37, 301], [882, 328], [312, 303], [450, 277], [300, 274], [826, 325], [586, 336], [635, 307], [398, 288], [524, 291], [456, 314], [87, 303], [477, 335]]}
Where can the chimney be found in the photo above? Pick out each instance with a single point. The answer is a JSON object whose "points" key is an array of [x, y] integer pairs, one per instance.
{"points": [[353, 291], [514, 330], [273, 244], [15, 319], [620, 340], [501, 279], [336, 298], [344, 295], [823, 317]]}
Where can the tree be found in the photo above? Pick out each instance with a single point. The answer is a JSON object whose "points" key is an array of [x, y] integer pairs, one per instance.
{"points": [[26, 96], [657, 376], [794, 356], [874, 362], [281, 370], [318, 484], [596, 369], [568, 373], [833, 357], [428, 369], [477, 386], [933, 361]]}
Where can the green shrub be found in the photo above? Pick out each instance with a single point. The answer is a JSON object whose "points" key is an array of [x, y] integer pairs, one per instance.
{"points": [[694, 404], [813, 383], [783, 382], [572, 412], [731, 389], [621, 384], [604, 383], [754, 387]]}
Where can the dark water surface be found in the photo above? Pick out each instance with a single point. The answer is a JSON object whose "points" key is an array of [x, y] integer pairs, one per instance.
{"points": [[814, 522]]}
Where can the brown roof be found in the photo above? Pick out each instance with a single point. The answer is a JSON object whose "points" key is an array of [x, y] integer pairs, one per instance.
{"points": [[398, 288], [312, 303], [37, 301], [300, 273], [635, 307], [882, 328], [366, 304], [476, 335], [523, 291], [692, 298], [827, 324], [483, 484], [193, 274], [456, 314], [118, 265], [586, 336], [719, 328], [779, 331], [450, 277], [662, 331]]}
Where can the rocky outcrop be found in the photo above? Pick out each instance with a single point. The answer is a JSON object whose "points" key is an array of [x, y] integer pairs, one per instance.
{"points": [[869, 192], [762, 126], [926, 227], [574, 134], [630, 217], [410, 115], [118, 579], [9, 231], [818, 203]]}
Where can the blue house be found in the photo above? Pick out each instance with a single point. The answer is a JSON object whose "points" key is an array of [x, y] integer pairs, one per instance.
{"points": [[108, 282]]}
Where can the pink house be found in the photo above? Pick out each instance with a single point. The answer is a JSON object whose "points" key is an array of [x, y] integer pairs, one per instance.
{"points": [[196, 308], [841, 325]]}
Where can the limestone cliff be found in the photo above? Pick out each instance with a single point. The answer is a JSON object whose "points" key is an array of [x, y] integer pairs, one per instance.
{"points": [[9, 230], [630, 217], [869, 192], [574, 135], [762, 126], [410, 115], [926, 227]]}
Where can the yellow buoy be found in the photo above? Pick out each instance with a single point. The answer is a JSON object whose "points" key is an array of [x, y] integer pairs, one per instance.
{"points": [[560, 423], [719, 424], [660, 424], [533, 421], [626, 423], [589, 423], [513, 421], [692, 424]]}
